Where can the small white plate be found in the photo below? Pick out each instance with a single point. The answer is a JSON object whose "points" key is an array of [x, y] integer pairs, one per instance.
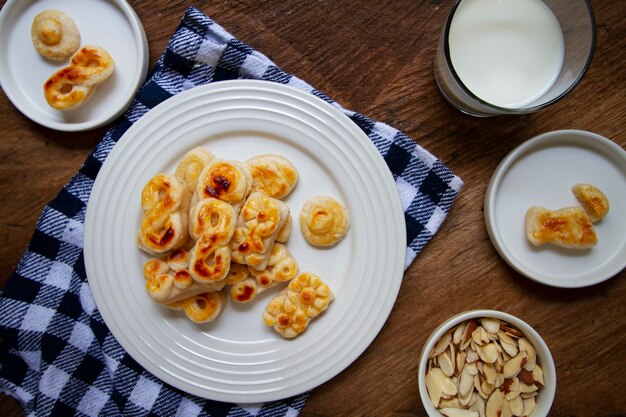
{"points": [[541, 171], [237, 358], [111, 24]]}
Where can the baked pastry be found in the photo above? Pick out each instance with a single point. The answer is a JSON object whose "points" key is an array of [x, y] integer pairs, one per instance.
{"points": [[310, 293], [285, 316], [593, 200], [71, 87], [291, 311], [168, 279], [272, 175], [201, 308], [190, 167], [164, 223], [568, 227], [212, 217], [258, 225], [285, 231], [54, 35], [280, 268], [324, 221], [229, 181], [209, 263]]}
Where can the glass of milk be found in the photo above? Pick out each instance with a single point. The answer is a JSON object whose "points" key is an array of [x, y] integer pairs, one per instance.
{"points": [[513, 56]]}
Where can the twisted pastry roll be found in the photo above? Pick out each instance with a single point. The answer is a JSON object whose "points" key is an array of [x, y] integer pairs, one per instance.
{"points": [[258, 225], [164, 223], [272, 175], [71, 87], [209, 263], [215, 218], [324, 221], [201, 308], [247, 285], [168, 279], [54, 35], [228, 181], [189, 168], [568, 227]]}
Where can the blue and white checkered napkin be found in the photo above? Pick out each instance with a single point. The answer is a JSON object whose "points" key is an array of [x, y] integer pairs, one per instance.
{"points": [[57, 357]]}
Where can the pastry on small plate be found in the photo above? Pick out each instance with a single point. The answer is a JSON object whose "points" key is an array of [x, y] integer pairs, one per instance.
{"points": [[324, 221], [568, 227], [54, 35], [593, 200], [273, 175]]}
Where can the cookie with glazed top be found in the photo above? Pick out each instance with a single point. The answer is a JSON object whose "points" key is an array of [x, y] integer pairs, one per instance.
{"points": [[594, 201], [568, 227], [54, 35], [324, 221]]}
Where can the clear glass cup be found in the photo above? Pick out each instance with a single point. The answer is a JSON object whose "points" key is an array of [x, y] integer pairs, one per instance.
{"points": [[577, 24]]}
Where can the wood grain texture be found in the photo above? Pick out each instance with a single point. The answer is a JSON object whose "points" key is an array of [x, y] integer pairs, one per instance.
{"points": [[376, 57]]}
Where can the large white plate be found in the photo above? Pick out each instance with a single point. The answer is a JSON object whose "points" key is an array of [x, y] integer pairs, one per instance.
{"points": [[111, 24], [237, 358], [541, 171]]}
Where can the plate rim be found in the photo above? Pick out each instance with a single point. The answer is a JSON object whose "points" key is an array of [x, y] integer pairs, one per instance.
{"points": [[377, 323], [543, 139], [16, 98]]}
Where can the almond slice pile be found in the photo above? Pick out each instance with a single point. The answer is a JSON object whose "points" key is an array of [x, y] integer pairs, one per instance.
{"points": [[484, 368]]}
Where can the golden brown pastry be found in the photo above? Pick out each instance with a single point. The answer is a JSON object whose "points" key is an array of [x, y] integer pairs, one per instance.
{"points": [[201, 308], [164, 223], [215, 218], [310, 293], [71, 87], [229, 181], [258, 225], [272, 175], [291, 311], [190, 167], [323, 221], [168, 279], [209, 263], [285, 317], [568, 227], [54, 35], [285, 231], [593, 200], [280, 268]]}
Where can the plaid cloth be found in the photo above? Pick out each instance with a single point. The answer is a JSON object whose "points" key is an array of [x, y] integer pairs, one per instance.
{"points": [[57, 356]]}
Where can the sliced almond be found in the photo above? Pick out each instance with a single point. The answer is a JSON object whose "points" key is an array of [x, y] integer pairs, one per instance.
{"points": [[466, 382], [478, 406], [488, 353], [510, 330], [465, 400], [441, 345], [490, 373], [472, 356], [529, 406], [467, 333], [460, 361], [445, 364], [514, 366], [509, 348], [528, 388], [458, 412], [450, 403], [504, 337], [492, 325], [434, 388], [445, 383], [458, 333], [493, 406], [513, 390], [471, 368], [526, 395], [517, 406], [506, 409], [525, 346], [526, 377], [538, 376]]}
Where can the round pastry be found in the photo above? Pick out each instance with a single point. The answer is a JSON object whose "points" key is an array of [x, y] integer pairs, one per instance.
{"points": [[203, 307], [272, 175], [324, 221], [594, 201], [164, 225], [228, 181], [192, 164], [54, 35]]}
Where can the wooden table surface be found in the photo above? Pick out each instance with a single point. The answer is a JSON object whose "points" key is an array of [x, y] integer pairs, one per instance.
{"points": [[375, 57]]}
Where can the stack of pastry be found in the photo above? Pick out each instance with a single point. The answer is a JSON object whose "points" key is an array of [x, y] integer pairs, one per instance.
{"points": [[218, 227]]}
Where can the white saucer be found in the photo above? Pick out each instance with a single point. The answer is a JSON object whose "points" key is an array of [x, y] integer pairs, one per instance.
{"points": [[111, 24], [541, 171]]}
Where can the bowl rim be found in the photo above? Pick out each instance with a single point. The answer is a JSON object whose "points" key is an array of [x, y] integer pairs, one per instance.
{"points": [[548, 391]]}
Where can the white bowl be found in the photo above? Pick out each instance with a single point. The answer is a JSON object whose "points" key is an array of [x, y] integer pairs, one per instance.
{"points": [[546, 394]]}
